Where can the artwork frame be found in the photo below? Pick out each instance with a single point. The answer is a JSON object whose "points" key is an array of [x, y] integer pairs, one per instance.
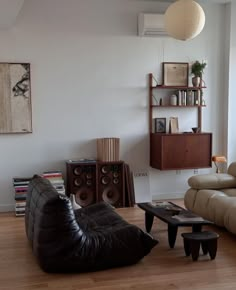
{"points": [[15, 98], [173, 125], [160, 125], [175, 74]]}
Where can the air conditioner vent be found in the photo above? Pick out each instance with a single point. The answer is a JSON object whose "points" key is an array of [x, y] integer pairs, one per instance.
{"points": [[150, 24]]}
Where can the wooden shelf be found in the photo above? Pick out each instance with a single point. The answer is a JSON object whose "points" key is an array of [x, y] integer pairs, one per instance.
{"points": [[181, 133], [178, 87], [169, 106], [178, 151]]}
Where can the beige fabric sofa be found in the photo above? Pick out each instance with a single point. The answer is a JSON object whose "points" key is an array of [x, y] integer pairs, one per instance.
{"points": [[213, 196]]}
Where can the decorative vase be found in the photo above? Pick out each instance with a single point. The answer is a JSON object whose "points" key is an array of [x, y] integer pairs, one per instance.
{"points": [[196, 81], [173, 100]]}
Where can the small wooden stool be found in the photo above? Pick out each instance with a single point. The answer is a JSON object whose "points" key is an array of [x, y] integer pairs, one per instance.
{"points": [[208, 241]]}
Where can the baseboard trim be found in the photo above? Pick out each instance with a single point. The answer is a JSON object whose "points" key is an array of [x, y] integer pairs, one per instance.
{"points": [[7, 207], [176, 195]]}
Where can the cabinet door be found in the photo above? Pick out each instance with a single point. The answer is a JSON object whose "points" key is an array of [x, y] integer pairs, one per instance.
{"points": [[181, 151], [174, 151]]}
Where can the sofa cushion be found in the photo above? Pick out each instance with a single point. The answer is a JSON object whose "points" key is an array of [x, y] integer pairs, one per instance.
{"points": [[212, 181], [232, 169], [229, 191]]}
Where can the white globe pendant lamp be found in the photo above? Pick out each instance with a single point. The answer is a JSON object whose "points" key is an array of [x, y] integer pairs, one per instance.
{"points": [[184, 19]]}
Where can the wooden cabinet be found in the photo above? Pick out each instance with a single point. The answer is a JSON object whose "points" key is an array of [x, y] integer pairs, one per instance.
{"points": [[182, 150]]}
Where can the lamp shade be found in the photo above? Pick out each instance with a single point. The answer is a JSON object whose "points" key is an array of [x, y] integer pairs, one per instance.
{"points": [[184, 19], [218, 158]]}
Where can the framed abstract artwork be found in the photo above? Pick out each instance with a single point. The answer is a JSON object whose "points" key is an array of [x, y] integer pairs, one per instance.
{"points": [[15, 98], [173, 125]]}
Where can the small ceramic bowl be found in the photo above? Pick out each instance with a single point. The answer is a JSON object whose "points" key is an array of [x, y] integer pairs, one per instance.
{"points": [[196, 129]]}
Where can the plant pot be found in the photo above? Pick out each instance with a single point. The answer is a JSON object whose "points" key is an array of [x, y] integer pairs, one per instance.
{"points": [[196, 81]]}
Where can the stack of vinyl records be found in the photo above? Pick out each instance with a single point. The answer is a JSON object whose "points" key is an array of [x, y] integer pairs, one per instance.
{"points": [[129, 187], [21, 188], [56, 179], [108, 149]]}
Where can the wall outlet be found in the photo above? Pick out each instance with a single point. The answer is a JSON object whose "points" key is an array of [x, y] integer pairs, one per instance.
{"points": [[195, 171], [178, 172]]}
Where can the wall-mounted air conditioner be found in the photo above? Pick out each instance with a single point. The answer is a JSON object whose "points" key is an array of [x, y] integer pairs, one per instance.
{"points": [[150, 24]]}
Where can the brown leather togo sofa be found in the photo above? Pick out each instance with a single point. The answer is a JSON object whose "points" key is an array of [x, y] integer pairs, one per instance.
{"points": [[87, 239], [213, 196]]}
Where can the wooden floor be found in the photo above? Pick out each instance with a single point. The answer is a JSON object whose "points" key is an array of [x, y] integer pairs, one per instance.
{"points": [[163, 268]]}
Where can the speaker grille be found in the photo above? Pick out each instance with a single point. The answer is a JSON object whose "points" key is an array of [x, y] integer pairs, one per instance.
{"points": [[111, 183], [111, 195], [84, 197], [98, 181], [81, 181]]}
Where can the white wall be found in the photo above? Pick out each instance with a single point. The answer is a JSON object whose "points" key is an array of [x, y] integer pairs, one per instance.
{"points": [[89, 79]]}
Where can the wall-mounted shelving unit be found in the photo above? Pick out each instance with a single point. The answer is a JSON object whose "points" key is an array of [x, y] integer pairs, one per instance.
{"points": [[181, 150]]}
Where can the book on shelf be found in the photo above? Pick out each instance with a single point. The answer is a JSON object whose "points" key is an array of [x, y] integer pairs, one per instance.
{"points": [[20, 211], [20, 183], [52, 172], [20, 214], [61, 192], [21, 189], [59, 186], [165, 205], [20, 203], [20, 197], [56, 179], [83, 160], [21, 192], [188, 217], [22, 179]]}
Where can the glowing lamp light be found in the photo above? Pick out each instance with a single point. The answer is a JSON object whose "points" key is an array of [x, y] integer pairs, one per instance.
{"points": [[218, 159], [184, 19]]}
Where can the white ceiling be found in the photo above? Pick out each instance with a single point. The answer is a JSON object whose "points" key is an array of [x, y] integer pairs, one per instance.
{"points": [[200, 1], [9, 9]]}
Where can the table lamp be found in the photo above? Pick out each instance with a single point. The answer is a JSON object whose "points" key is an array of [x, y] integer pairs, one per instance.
{"points": [[218, 159]]}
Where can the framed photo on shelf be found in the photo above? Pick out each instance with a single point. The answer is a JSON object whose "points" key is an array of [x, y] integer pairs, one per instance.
{"points": [[175, 74], [160, 125], [174, 125]]}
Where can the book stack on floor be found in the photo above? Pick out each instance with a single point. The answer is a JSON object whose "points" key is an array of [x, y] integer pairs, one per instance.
{"points": [[56, 179], [21, 186]]}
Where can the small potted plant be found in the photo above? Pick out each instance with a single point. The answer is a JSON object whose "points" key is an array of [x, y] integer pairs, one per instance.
{"points": [[197, 71]]}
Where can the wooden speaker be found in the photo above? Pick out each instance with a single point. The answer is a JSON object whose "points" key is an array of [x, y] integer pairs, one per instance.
{"points": [[81, 181], [110, 183]]}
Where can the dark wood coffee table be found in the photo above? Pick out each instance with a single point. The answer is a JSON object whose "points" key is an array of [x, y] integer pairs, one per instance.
{"points": [[167, 216]]}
